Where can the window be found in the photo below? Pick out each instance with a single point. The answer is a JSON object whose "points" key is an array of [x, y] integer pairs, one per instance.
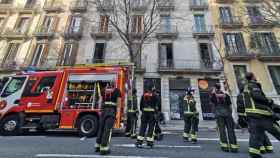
{"points": [[136, 47], [30, 3], [45, 82], [234, 43], [11, 54], [166, 23], [75, 24], [255, 15], [48, 24], [137, 23], [22, 25], [166, 54], [200, 25], [69, 54], [104, 23], [240, 72], [275, 76], [225, 15], [199, 2], [2, 19], [40, 55], [265, 42], [27, 92], [205, 53], [99, 53], [6, 1], [13, 86]]}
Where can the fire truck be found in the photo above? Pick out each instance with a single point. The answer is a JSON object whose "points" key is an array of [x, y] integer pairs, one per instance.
{"points": [[67, 98]]}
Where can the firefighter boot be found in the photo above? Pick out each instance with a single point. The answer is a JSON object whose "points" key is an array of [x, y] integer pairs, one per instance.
{"points": [[139, 143], [186, 137], [150, 144], [105, 152], [97, 148]]}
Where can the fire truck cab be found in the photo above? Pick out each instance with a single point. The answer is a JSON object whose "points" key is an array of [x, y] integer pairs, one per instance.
{"points": [[70, 98]]}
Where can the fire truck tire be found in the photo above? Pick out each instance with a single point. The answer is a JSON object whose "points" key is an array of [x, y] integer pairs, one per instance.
{"points": [[10, 126], [87, 126]]}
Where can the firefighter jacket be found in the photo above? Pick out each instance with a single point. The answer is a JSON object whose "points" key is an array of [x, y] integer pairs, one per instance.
{"points": [[110, 97], [222, 104], [256, 103], [132, 104], [189, 105], [149, 103]]}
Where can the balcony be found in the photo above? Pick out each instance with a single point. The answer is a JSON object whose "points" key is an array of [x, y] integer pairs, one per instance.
{"points": [[139, 5], [52, 6], [252, 1], [167, 32], [5, 7], [269, 56], [101, 33], [259, 21], [15, 34], [166, 5], [239, 56], [233, 22], [29, 8], [189, 66], [44, 32], [105, 7], [224, 1], [73, 33], [203, 32], [78, 6], [198, 5]]}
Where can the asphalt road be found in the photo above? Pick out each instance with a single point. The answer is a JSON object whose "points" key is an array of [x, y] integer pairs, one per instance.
{"points": [[61, 145]]}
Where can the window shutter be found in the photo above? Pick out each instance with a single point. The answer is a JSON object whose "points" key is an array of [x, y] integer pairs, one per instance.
{"points": [[60, 55], [75, 47], [44, 57], [274, 42]]}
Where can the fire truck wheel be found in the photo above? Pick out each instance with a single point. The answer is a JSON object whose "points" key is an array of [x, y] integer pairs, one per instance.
{"points": [[10, 125], [88, 126]]}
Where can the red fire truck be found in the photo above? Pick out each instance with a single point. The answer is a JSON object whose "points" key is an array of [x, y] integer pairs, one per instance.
{"points": [[69, 98]]}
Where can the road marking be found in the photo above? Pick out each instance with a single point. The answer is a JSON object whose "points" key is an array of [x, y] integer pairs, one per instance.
{"points": [[90, 156], [158, 146], [238, 140]]}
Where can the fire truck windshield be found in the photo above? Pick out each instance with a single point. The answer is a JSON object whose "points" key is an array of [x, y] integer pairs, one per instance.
{"points": [[13, 86]]}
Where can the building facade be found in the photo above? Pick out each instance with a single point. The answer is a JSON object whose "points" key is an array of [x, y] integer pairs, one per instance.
{"points": [[181, 53], [248, 42]]}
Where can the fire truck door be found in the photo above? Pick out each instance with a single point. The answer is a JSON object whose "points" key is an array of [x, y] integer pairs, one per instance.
{"points": [[43, 95]]}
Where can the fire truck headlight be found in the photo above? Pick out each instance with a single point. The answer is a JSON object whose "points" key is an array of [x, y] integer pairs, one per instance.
{"points": [[3, 104]]}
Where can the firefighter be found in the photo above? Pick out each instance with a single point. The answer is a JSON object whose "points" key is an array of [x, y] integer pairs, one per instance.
{"points": [[111, 100], [259, 112], [158, 132], [149, 106], [190, 117], [225, 123], [243, 122], [132, 115]]}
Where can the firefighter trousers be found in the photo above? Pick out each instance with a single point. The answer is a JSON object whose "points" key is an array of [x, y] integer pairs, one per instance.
{"points": [[267, 145], [131, 124], [106, 124], [227, 135], [257, 129], [191, 127], [148, 120]]}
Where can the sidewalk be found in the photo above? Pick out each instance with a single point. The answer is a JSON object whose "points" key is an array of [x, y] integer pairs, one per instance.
{"points": [[178, 125]]}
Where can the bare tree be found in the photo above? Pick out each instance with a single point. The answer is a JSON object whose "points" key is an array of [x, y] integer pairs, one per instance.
{"points": [[135, 21], [271, 11]]}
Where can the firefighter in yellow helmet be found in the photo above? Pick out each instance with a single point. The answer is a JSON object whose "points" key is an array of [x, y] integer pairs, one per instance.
{"points": [[190, 117]]}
